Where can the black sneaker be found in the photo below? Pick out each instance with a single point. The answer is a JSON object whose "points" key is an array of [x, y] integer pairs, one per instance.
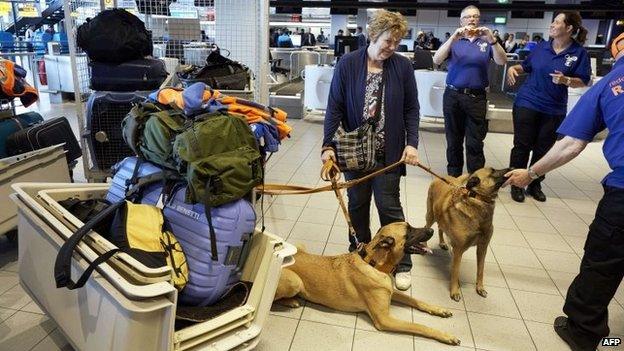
{"points": [[517, 194], [536, 192], [561, 327]]}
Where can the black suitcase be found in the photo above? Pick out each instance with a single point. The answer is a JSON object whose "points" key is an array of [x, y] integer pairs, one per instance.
{"points": [[51, 132], [142, 74], [11, 125], [105, 111]]}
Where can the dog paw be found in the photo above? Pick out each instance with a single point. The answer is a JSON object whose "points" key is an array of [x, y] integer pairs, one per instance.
{"points": [[444, 313], [444, 246], [482, 292], [456, 296], [292, 303], [451, 340]]}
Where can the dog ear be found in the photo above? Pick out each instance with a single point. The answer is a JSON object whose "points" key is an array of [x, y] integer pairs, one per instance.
{"points": [[387, 242], [472, 182]]}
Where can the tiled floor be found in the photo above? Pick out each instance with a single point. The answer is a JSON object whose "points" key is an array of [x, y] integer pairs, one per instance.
{"points": [[534, 256]]}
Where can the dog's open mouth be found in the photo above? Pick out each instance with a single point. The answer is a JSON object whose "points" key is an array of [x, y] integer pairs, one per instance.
{"points": [[419, 249]]}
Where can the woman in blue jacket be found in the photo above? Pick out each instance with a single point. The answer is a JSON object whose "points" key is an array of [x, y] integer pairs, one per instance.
{"points": [[541, 104], [358, 77]]}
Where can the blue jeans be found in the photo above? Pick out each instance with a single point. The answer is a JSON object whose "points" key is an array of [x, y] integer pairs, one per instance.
{"points": [[385, 187]]}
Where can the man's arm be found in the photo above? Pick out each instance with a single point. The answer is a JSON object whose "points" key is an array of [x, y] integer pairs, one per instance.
{"points": [[561, 153], [499, 54], [443, 52]]}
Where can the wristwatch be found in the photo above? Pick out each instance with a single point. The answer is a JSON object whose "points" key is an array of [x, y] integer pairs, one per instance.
{"points": [[532, 174]]}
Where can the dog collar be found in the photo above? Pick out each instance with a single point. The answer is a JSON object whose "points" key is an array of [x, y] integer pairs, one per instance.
{"points": [[476, 195], [362, 252]]}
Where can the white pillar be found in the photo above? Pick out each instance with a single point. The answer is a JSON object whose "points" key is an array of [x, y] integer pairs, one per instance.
{"points": [[362, 19], [241, 27]]}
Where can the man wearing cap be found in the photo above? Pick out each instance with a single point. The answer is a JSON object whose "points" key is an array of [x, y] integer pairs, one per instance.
{"points": [[602, 267], [469, 51]]}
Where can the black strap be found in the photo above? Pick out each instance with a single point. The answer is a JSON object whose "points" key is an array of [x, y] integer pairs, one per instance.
{"points": [[143, 182], [135, 173], [62, 265], [207, 209]]}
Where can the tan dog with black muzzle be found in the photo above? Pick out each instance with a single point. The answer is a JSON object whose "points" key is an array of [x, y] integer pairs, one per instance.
{"points": [[464, 212], [361, 282]]}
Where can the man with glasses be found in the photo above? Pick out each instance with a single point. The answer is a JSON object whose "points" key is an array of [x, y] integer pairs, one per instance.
{"points": [[469, 51]]}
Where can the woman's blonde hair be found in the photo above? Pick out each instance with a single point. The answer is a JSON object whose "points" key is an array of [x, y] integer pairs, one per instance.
{"points": [[383, 21]]}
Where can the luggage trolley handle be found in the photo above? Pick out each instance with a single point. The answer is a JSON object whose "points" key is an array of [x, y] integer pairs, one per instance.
{"points": [[62, 265]]}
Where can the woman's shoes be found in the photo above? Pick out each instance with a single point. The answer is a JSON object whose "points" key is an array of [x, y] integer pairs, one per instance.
{"points": [[535, 191]]}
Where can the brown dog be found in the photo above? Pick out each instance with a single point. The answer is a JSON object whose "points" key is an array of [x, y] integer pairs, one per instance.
{"points": [[464, 212], [361, 282]]}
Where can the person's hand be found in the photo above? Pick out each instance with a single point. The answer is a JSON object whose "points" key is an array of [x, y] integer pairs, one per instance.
{"points": [[518, 177], [410, 155], [459, 33], [558, 78], [327, 155], [512, 75], [486, 34]]}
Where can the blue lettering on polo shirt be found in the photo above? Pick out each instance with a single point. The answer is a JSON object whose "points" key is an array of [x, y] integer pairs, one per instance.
{"points": [[538, 92], [468, 64], [602, 107]]}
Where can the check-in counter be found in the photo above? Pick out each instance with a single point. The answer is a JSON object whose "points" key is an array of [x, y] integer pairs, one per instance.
{"points": [[60, 74], [431, 85]]}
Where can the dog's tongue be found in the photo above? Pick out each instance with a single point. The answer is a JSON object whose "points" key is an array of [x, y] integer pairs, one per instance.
{"points": [[424, 250]]}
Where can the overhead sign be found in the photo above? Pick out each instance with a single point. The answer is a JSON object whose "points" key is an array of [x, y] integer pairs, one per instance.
{"points": [[27, 10]]}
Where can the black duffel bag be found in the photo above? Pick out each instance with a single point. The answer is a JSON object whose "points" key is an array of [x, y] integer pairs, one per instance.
{"points": [[219, 72], [114, 36]]}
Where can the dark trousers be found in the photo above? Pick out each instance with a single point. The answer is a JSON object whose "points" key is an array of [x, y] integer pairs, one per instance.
{"points": [[535, 132], [385, 187], [601, 272], [464, 118]]}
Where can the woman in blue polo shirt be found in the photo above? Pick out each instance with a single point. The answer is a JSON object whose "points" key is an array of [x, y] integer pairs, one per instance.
{"points": [[541, 103]]}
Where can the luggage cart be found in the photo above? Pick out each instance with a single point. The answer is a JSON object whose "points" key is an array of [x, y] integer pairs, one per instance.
{"points": [[111, 312], [44, 164]]}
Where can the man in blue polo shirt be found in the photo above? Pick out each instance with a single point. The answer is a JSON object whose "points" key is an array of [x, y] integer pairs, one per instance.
{"points": [[602, 267], [469, 51]]}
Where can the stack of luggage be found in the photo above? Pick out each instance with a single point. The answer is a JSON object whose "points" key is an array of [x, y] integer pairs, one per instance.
{"points": [[198, 155], [122, 73], [28, 131]]}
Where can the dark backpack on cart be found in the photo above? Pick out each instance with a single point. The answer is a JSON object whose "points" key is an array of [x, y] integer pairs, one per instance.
{"points": [[114, 36], [219, 72]]}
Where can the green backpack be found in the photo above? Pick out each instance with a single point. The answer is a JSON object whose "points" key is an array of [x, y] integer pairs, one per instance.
{"points": [[217, 153]]}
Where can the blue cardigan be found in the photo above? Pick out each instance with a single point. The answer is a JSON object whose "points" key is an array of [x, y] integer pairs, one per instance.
{"points": [[346, 101]]}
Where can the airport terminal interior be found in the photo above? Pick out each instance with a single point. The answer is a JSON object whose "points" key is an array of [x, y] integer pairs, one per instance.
{"points": [[287, 53]]}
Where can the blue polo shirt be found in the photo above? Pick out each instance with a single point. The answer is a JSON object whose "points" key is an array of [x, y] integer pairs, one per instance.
{"points": [[468, 64], [602, 107], [538, 92]]}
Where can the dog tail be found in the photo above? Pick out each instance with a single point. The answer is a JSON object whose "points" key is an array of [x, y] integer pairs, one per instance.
{"points": [[301, 248]]}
